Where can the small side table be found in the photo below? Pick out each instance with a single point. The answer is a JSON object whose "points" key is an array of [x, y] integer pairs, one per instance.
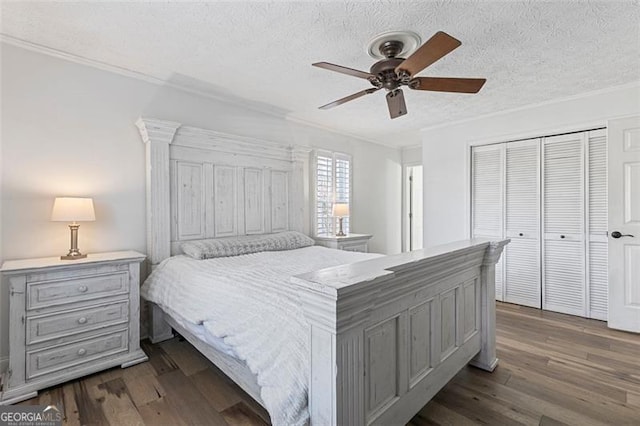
{"points": [[70, 318], [351, 242]]}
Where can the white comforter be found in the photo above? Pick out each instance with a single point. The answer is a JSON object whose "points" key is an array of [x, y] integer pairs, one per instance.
{"points": [[248, 301]]}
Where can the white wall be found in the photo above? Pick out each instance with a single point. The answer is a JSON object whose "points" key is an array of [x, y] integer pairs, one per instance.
{"points": [[445, 150], [412, 155], [68, 129]]}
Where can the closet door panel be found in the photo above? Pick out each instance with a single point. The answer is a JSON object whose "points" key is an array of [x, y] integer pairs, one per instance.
{"points": [[487, 187], [564, 289], [500, 279], [563, 283], [598, 280], [522, 223], [564, 185], [597, 219], [522, 196], [522, 272], [597, 175]]}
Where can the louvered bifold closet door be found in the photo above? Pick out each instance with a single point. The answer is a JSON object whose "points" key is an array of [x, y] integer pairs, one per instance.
{"points": [[522, 223], [597, 219], [563, 279], [487, 175]]}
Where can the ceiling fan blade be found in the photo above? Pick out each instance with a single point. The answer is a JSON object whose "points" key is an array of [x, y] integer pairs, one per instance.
{"points": [[395, 102], [438, 84], [343, 70], [433, 49], [349, 98]]}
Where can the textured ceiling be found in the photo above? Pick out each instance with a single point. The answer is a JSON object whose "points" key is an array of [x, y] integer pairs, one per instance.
{"points": [[530, 52]]}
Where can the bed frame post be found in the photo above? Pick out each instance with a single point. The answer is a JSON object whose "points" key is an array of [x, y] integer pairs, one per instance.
{"points": [[336, 380], [487, 359], [157, 135], [159, 329]]}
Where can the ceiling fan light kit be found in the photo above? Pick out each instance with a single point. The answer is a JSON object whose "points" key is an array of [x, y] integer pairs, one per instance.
{"points": [[393, 71]]}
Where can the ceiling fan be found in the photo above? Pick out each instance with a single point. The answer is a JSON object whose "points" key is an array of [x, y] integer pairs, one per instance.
{"points": [[392, 72]]}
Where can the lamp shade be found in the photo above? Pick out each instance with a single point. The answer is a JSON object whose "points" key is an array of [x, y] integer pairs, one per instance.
{"points": [[340, 210], [72, 209]]}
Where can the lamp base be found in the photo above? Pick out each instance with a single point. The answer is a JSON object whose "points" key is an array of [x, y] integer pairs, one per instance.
{"points": [[340, 232], [73, 256], [74, 252]]}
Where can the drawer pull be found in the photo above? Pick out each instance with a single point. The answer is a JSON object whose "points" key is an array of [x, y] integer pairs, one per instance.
{"points": [[83, 289], [82, 320], [521, 234], [82, 351]]}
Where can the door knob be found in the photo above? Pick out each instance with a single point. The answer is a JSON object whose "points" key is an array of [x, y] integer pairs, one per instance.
{"points": [[616, 234]]}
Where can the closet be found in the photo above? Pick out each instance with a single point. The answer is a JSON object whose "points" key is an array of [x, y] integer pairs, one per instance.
{"points": [[548, 195]]}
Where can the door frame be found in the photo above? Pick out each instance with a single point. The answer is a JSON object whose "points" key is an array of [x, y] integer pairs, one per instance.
{"points": [[405, 194]]}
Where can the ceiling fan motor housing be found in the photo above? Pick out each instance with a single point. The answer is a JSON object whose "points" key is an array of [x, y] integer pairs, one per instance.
{"points": [[385, 73]]}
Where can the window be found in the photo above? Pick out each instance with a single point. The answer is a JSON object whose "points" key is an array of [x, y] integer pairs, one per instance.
{"points": [[333, 185]]}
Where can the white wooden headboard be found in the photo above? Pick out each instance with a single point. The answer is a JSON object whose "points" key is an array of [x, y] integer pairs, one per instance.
{"points": [[205, 184]]}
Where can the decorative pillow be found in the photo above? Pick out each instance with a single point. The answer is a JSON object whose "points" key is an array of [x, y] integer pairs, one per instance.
{"points": [[235, 246]]}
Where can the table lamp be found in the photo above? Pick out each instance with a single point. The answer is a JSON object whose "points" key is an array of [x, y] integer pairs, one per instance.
{"points": [[74, 210], [340, 210]]}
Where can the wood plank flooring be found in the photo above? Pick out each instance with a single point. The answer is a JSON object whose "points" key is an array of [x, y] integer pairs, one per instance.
{"points": [[554, 370]]}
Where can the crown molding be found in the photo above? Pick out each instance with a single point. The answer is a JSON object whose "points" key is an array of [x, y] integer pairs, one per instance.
{"points": [[408, 147], [308, 123], [126, 72], [632, 85], [39, 48]]}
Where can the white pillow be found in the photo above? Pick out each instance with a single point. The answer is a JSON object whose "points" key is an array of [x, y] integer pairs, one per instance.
{"points": [[235, 246]]}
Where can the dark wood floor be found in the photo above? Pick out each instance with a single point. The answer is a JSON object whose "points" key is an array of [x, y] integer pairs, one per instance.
{"points": [[554, 369]]}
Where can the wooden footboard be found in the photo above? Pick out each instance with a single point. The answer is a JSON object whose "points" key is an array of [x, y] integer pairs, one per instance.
{"points": [[387, 334]]}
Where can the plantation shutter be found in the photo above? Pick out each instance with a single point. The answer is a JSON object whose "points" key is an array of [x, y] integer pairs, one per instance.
{"points": [[597, 218], [324, 193], [333, 185], [563, 284], [342, 188], [522, 219], [487, 199]]}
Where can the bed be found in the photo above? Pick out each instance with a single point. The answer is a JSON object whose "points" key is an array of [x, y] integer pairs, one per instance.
{"points": [[382, 334]]}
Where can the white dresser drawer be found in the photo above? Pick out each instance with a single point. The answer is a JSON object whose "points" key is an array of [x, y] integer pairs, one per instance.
{"points": [[70, 355], [359, 246], [53, 326], [49, 293]]}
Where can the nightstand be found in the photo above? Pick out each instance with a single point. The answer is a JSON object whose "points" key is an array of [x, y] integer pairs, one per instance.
{"points": [[70, 318], [351, 242]]}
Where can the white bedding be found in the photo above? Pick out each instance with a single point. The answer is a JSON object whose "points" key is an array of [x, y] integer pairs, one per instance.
{"points": [[200, 332], [248, 302]]}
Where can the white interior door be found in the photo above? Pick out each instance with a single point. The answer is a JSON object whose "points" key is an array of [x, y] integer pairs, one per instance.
{"points": [[624, 223]]}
